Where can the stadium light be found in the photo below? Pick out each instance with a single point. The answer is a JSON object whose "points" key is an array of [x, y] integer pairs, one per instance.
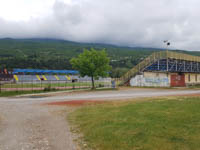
{"points": [[168, 44]]}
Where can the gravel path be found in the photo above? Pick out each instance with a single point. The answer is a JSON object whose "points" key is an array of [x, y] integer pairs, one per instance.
{"points": [[27, 125], [34, 127]]}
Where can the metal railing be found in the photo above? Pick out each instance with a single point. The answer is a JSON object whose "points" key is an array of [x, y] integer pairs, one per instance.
{"points": [[52, 85]]}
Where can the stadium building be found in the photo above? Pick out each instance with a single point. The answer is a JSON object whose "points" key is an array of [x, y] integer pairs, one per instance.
{"points": [[164, 69], [37, 75], [44, 76]]}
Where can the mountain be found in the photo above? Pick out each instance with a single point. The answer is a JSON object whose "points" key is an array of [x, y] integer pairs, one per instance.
{"points": [[55, 53]]}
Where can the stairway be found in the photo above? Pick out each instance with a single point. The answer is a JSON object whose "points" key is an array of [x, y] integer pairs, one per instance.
{"points": [[124, 80]]}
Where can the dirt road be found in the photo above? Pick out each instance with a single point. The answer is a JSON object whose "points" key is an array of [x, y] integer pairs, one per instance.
{"points": [[27, 125], [34, 127]]}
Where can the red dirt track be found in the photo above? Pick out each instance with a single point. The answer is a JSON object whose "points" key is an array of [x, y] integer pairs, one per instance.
{"points": [[76, 102]]}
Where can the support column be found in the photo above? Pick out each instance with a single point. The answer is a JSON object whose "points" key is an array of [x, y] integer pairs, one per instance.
{"points": [[191, 65], [167, 62], [184, 65]]}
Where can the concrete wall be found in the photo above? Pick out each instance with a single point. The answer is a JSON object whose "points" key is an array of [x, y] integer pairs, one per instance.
{"points": [[156, 75], [151, 79], [192, 78], [155, 79]]}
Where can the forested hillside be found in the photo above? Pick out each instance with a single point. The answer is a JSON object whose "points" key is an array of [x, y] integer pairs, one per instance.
{"points": [[55, 54]]}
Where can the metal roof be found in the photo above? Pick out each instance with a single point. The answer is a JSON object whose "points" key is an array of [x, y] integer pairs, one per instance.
{"points": [[40, 71]]}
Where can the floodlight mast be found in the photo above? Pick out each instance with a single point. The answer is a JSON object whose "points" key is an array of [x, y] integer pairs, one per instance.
{"points": [[168, 44]]}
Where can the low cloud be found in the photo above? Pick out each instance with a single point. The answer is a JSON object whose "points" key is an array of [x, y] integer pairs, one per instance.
{"points": [[121, 22]]}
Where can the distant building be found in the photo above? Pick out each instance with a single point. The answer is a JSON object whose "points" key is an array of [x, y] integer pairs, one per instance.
{"points": [[164, 69]]}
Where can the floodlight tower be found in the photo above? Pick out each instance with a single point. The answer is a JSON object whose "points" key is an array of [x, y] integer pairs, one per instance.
{"points": [[168, 44]]}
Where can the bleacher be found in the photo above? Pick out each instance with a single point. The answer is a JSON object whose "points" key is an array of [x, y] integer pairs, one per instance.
{"points": [[23, 75], [6, 78], [63, 78], [51, 78], [37, 78], [26, 78], [54, 78]]}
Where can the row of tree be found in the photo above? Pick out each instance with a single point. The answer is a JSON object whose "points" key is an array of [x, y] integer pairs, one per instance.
{"points": [[56, 54]]}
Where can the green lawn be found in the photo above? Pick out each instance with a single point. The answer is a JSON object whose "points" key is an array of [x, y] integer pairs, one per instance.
{"points": [[15, 93], [160, 124], [38, 85]]}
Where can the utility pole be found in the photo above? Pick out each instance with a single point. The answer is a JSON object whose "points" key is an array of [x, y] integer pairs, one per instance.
{"points": [[168, 44]]}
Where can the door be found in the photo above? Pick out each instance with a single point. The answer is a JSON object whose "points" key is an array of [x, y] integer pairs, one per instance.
{"points": [[177, 80]]}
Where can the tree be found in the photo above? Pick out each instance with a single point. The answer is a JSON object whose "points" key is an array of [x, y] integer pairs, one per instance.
{"points": [[92, 63], [118, 72]]}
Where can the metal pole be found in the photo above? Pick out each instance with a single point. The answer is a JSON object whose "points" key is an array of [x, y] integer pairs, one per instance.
{"points": [[184, 65], [22, 86], [191, 65], [32, 82], [167, 53], [79, 84], [167, 62], [41, 84]]}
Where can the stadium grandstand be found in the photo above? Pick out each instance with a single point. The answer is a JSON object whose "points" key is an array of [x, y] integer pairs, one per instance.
{"points": [[164, 69], [38, 79], [39, 75], [34, 75]]}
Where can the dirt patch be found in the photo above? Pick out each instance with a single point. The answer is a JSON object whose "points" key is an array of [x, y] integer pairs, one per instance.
{"points": [[76, 102]]}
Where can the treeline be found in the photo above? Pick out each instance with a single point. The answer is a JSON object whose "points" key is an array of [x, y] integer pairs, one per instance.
{"points": [[56, 54]]}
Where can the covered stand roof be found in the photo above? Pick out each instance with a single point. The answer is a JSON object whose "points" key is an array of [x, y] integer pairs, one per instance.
{"points": [[40, 71]]}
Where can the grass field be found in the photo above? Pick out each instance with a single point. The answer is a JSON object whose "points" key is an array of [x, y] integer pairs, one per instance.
{"points": [[153, 124], [38, 85], [15, 93]]}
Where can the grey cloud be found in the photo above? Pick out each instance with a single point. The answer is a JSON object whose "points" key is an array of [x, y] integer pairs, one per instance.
{"points": [[121, 22]]}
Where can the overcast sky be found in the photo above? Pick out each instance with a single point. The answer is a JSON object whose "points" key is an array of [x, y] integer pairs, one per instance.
{"points": [[144, 23]]}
